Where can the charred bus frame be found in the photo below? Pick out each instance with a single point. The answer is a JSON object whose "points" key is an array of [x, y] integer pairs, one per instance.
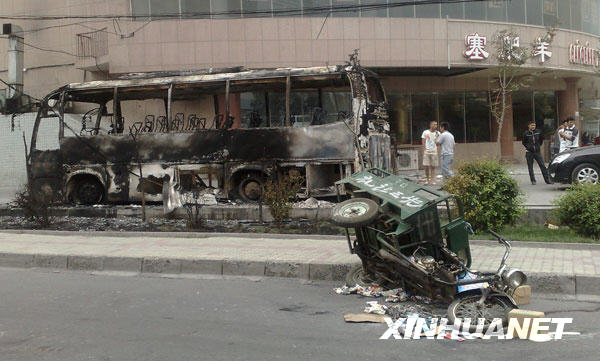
{"points": [[220, 150]]}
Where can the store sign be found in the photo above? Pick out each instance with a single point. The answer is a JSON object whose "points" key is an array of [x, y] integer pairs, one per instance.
{"points": [[541, 50], [584, 54], [476, 47]]}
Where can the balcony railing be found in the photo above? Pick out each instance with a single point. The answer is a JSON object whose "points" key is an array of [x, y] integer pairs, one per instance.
{"points": [[92, 44]]}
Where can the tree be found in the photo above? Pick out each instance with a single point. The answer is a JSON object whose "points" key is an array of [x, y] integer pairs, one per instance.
{"points": [[509, 75]]}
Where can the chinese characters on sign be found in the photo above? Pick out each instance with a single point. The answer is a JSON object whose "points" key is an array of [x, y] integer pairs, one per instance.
{"points": [[540, 50], [584, 54], [476, 47], [511, 50], [409, 201]]}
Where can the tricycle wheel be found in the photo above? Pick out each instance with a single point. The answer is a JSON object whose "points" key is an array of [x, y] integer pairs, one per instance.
{"points": [[355, 212], [468, 306], [358, 276]]}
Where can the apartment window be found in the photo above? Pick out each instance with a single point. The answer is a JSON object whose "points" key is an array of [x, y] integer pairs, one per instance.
{"points": [[550, 9], [564, 14], [475, 10], [226, 8]]}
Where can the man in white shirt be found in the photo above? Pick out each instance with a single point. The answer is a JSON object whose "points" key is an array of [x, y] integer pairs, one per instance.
{"points": [[446, 143], [569, 135], [430, 152]]}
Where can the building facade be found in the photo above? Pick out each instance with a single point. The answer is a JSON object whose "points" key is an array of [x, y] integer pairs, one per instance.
{"points": [[435, 60]]}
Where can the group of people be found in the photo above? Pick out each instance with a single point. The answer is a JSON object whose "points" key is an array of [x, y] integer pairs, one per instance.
{"points": [[436, 143], [431, 139], [566, 137]]}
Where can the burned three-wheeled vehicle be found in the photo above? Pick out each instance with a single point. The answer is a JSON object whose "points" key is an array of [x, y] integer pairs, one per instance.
{"points": [[412, 236]]}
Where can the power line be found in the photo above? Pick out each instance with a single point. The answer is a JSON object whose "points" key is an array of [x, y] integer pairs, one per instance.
{"points": [[311, 10]]}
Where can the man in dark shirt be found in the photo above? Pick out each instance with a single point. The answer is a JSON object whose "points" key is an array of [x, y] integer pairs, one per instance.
{"points": [[532, 140]]}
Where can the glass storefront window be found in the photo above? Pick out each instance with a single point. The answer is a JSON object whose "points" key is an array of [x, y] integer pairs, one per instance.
{"points": [[564, 14], [376, 11], [590, 120], [428, 11], [424, 110], [452, 111], [477, 116], [404, 11], [475, 10], [496, 10], [284, 7], [400, 123], [516, 11], [226, 8], [312, 8], [534, 12], [164, 7], [576, 14], [522, 112], [545, 111], [453, 11], [550, 9], [140, 9], [256, 8], [341, 4], [189, 8]]}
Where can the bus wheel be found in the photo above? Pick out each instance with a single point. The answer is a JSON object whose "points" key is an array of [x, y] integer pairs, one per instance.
{"points": [[250, 187], [88, 191]]}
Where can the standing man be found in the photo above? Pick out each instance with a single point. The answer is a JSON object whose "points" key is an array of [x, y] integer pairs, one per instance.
{"points": [[430, 152], [532, 140], [569, 135], [446, 143]]}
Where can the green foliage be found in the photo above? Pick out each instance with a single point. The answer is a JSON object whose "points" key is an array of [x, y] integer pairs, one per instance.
{"points": [[280, 193], [579, 208], [490, 197]]}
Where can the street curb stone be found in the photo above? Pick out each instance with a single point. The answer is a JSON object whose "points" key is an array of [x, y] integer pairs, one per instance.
{"points": [[573, 285], [243, 268]]}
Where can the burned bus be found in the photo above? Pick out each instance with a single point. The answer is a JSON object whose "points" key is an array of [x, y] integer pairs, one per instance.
{"points": [[229, 131]]}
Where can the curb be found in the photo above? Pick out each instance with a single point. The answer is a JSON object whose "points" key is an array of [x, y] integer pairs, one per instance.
{"points": [[185, 234], [540, 282]]}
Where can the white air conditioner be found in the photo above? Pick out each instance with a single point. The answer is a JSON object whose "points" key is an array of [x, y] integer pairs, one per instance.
{"points": [[407, 159]]}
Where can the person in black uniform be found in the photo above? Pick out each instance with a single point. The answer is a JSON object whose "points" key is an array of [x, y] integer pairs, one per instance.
{"points": [[532, 141]]}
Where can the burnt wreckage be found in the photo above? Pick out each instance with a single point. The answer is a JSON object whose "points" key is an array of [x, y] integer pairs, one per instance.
{"points": [[229, 131]]}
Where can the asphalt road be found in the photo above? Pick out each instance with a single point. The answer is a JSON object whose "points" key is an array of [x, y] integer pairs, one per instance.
{"points": [[46, 315]]}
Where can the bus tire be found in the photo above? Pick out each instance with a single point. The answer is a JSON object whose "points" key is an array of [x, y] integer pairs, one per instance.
{"points": [[88, 191], [355, 212], [250, 187]]}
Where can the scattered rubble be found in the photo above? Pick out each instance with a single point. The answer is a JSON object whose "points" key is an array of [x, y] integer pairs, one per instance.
{"points": [[313, 203]]}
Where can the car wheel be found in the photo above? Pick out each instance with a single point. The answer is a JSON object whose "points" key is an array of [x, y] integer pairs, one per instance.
{"points": [[355, 212], [585, 173]]}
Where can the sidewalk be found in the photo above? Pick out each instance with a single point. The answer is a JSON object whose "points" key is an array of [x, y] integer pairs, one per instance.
{"points": [[554, 268]]}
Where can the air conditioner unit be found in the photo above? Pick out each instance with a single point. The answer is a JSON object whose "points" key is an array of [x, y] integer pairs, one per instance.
{"points": [[407, 159]]}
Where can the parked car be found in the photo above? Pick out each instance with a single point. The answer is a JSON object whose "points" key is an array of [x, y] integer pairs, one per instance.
{"points": [[579, 165]]}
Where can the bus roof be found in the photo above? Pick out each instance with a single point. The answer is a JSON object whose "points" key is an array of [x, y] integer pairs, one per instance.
{"points": [[134, 80]]}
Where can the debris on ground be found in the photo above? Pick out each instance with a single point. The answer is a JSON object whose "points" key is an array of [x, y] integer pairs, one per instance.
{"points": [[376, 308], [371, 291], [364, 317], [313, 203]]}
